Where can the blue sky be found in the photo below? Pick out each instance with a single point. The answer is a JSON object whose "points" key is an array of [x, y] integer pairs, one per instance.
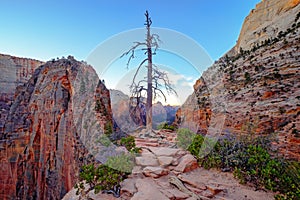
{"points": [[47, 29]]}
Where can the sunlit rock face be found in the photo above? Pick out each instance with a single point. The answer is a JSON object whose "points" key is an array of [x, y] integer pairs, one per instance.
{"points": [[265, 21], [255, 91], [51, 129]]}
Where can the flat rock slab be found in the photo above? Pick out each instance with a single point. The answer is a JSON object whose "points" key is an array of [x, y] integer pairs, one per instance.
{"points": [[175, 194], [146, 159], [222, 185], [148, 190], [137, 170], [148, 144], [155, 172], [165, 160], [164, 151], [194, 181]]}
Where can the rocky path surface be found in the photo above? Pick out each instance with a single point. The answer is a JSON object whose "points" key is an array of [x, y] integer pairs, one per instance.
{"points": [[164, 172]]}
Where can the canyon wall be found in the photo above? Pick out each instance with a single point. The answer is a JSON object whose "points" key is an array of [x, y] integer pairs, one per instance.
{"points": [[265, 21], [14, 72], [51, 130], [255, 91]]}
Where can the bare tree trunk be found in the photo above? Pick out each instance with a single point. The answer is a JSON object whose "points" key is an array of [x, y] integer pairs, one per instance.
{"points": [[149, 76], [154, 75]]}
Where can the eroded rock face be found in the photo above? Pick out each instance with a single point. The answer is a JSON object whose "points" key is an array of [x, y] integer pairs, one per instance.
{"points": [[14, 72], [252, 92], [51, 130], [266, 21]]}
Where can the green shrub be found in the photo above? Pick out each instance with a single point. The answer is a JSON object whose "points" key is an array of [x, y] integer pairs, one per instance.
{"points": [[210, 161], [122, 162], [108, 129], [208, 154], [251, 162], [104, 140], [99, 178], [185, 138], [195, 145], [165, 125], [198, 145], [129, 143], [115, 170], [287, 182]]}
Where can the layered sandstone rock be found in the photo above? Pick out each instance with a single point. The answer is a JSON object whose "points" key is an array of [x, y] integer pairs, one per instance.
{"points": [[254, 91], [14, 72], [52, 129], [266, 21]]}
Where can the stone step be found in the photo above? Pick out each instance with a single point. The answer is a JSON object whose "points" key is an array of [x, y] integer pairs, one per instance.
{"points": [[146, 139], [147, 144]]}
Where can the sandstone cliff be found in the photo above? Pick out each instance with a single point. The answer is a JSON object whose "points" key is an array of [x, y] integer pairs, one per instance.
{"points": [[257, 90], [266, 21], [51, 130], [14, 72]]}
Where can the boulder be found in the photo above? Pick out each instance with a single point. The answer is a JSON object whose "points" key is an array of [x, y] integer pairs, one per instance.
{"points": [[187, 163], [165, 160], [128, 187], [164, 151], [155, 172]]}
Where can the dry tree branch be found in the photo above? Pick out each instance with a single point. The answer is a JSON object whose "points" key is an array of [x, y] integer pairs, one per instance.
{"points": [[137, 71], [155, 41], [155, 89], [132, 51], [162, 76]]}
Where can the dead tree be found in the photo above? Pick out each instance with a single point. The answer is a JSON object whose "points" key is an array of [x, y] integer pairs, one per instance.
{"points": [[156, 78]]}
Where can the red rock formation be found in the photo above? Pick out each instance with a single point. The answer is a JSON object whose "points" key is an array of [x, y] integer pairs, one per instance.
{"points": [[52, 127], [256, 91], [14, 72]]}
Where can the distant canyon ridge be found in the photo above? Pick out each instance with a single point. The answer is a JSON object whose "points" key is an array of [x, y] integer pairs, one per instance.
{"points": [[129, 117]]}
